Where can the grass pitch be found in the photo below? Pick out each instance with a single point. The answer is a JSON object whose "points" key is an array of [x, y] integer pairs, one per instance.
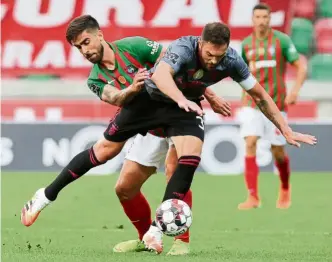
{"points": [[86, 221]]}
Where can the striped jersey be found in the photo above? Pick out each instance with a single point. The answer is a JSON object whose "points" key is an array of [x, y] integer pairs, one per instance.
{"points": [[131, 53], [267, 59]]}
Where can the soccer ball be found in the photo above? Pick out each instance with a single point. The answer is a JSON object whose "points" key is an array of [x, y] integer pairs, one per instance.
{"points": [[173, 217]]}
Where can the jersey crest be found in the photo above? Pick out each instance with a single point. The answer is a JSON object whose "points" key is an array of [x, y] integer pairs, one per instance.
{"points": [[131, 69]]}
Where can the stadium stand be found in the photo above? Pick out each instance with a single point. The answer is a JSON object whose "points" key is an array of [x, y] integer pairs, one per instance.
{"points": [[302, 35], [323, 35], [305, 9], [325, 8]]}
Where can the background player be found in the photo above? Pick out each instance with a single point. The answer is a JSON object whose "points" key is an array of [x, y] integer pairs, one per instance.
{"points": [[116, 78], [267, 52]]}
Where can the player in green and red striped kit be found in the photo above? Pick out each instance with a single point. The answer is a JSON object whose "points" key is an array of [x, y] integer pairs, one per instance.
{"points": [[267, 52], [116, 77]]}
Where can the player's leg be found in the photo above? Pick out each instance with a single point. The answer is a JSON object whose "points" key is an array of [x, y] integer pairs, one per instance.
{"points": [[128, 189], [283, 166], [187, 132], [280, 156], [101, 152], [105, 149], [181, 243], [252, 128], [188, 150], [138, 167]]}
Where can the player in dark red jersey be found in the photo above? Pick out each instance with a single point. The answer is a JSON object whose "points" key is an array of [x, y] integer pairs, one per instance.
{"points": [[116, 77], [267, 52]]}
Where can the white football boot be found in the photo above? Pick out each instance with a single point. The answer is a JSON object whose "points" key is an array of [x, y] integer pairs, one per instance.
{"points": [[153, 239], [33, 207]]}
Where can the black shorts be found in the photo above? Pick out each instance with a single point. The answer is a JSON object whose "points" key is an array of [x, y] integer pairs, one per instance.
{"points": [[143, 114]]}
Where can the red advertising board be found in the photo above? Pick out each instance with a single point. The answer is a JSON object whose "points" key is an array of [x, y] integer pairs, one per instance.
{"points": [[33, 31]]}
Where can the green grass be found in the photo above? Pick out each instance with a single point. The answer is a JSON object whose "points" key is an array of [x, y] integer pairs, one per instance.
{"points": [[83, 224]]}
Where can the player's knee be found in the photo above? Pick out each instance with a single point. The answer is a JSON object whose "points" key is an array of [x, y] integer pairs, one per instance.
{"points": [[124, 192], [278, 153], [251, 146], [106, 150]]}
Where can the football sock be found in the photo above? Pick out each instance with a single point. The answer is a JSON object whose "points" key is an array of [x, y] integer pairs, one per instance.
{"points": [[186, 236], [251, 175], [138, 211], [76, 168], [284, 172], [181, 180]]}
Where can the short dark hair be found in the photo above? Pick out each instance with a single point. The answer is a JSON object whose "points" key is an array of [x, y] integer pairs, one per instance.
{"points": [[79, 24], [217, 33], [262, 6]]}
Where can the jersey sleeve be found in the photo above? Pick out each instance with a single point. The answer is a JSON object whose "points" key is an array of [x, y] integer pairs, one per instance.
{"points": [[96, 86], [241, 74], [147, 49], [288, 49], [177, 55]]}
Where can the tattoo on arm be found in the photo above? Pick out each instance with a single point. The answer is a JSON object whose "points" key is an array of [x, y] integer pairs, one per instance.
{"points": [[268, 112], [117, 97]]}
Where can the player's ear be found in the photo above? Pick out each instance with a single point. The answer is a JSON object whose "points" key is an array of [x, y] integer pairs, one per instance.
{"points": [[100, 35]]}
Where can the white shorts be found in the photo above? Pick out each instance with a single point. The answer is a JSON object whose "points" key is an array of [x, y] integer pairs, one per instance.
{"points": [[148, 150], [254, 123]]}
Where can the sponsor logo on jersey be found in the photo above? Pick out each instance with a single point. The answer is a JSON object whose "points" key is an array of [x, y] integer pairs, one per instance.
{"points": [[198, 74], [265, 64], [131, 69], [122, 80]]}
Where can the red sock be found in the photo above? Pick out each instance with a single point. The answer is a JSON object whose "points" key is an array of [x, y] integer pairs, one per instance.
{"points": [[188, 199], [251, 175], [138, 211], [284, 172]]}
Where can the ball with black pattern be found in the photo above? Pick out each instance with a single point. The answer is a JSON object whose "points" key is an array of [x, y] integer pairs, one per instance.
{"points": [[173, 217]]}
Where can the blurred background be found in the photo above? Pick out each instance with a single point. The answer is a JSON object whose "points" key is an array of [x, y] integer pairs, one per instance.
{"points": [[49, 113]]}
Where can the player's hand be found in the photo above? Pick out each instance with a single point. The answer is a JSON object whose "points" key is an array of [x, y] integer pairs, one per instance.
{"points": [[221, 106], [190, 106], [295, 138], [138, 81], [291, 98]]}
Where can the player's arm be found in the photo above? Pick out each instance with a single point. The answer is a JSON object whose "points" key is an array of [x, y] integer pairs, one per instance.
{"points": [[163, 78], [243, 54], [292, 56], [110, 94], [266, 104], [176, 56], [218, 104], [117, 97], [301, 74]]}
